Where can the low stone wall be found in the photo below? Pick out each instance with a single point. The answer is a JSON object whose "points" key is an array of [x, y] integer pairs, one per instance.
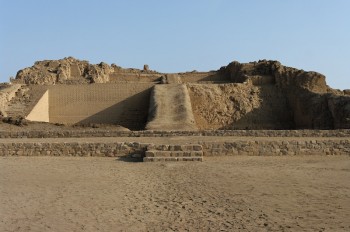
{"points": [[237, 147], [277, 148], [79, 133], [71, 149]]}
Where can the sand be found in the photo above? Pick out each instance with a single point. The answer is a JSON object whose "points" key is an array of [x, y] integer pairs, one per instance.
{"points": [[304, 193]]}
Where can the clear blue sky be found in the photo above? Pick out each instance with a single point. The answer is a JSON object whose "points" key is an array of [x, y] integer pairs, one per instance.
{"points": [[181, 35]]}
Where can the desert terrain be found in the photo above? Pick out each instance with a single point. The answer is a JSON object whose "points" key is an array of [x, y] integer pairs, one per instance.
{"points": [[241, 193], [274, 140]]}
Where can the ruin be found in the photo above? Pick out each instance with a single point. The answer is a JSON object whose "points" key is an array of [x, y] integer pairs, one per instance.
{"points": [[263, 95], [257, 95]]}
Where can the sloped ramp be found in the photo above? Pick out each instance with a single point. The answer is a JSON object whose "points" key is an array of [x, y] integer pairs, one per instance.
{"points": [[170, 109]]}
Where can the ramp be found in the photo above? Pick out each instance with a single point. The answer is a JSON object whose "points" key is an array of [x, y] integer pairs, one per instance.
{"points": [[170, 109]]}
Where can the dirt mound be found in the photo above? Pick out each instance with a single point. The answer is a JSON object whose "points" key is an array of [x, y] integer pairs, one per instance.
{"points": [[71, 71], [275, 73], [308, 96]]}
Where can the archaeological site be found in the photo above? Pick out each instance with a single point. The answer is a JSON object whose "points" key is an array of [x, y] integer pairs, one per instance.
{"points": [[70, 107]]}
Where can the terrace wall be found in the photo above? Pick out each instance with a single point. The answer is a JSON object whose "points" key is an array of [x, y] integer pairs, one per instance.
{"points": [[237, 147]]}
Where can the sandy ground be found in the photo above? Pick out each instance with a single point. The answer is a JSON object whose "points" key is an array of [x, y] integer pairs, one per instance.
{"points": [[224, 193]]}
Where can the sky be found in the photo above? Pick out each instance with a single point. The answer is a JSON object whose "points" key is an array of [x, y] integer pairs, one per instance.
{"points": [[177, 36]]}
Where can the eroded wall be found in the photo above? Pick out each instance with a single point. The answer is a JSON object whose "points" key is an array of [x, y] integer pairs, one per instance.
{"points": [[6, 94], [239, 106], [125, 104]]}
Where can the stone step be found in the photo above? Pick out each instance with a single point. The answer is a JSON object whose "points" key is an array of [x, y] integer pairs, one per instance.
{"points": [[161, 159], [188, 147], [157, 153], [189, 152]]}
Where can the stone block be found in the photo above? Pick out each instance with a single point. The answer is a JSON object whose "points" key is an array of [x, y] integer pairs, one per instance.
{"points": [[197, 148], [149, 154]]}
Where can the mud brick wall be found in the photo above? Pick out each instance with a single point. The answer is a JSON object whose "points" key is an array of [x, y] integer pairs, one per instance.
{"points": [[125, 104]]}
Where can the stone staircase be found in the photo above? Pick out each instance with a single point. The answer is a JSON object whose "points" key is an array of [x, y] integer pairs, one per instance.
{"points": [[193, 152]]}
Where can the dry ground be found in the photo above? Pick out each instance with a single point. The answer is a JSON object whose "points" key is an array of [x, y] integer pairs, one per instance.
{"points": [[225, 193]]}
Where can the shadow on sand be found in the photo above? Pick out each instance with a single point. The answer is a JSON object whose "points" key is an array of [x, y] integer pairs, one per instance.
{"points": [[129, 159]]}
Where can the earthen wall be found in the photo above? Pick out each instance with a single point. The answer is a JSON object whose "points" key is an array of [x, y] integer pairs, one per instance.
{"points": [[123, 103]]}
